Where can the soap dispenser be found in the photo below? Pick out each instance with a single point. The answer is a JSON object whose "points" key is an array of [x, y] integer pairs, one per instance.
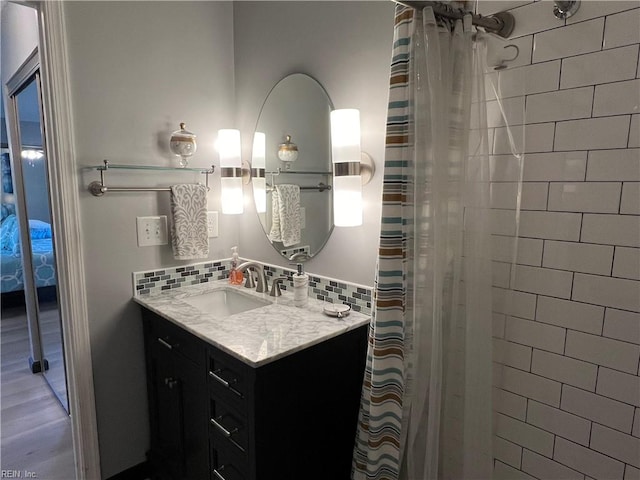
{"points": [[236, 277], [300, 287]]}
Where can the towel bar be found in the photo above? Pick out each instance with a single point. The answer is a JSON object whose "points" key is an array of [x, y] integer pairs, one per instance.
{"points": [[321, 187], [98, 188]]}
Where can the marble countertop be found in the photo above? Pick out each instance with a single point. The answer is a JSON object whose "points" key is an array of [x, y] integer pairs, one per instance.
{"points": [[257, 336]]}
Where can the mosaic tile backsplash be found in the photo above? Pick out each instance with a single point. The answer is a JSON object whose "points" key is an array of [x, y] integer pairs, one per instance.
{"points": [[322, 288]]}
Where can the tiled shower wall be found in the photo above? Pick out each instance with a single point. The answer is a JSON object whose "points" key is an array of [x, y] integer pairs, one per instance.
{"points": [[567, 385]]}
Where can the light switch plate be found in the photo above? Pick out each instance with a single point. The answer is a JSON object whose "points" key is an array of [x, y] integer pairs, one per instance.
{"points": [[152, 230], [212, 224]]}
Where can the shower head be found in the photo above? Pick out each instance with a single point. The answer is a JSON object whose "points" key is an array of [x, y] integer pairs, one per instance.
{"points": [[565, 9]]}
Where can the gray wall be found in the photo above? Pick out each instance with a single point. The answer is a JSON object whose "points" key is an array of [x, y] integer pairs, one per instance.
{"points": [[346, 46], [137, 70]]}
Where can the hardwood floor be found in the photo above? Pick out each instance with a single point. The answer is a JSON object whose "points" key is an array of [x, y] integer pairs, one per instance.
{"points": [[35, 435]]}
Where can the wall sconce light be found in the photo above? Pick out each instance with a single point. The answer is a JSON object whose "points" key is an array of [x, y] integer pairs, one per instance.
{"points": [[230, 171], [258, 165], [347, 178]]}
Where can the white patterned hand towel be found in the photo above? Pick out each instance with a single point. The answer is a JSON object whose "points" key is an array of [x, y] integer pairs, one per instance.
{"points": [[189, 236], [285, 206]]}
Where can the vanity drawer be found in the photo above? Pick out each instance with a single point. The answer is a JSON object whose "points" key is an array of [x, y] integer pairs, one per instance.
{"points": [[228, 427], [228, 378], [178, 340], [226, 466]]}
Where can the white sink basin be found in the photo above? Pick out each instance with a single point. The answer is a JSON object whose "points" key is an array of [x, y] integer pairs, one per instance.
{"points": [[224, 302]]}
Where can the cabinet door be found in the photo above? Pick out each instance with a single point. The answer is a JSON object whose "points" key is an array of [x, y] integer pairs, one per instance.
{"points": [[166, 424], [177, 404]]}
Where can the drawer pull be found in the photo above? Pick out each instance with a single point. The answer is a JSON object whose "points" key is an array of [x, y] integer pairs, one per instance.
{"points": [[165, 343], [216, 374], [227, 383], [225, 432], [217, 473]]}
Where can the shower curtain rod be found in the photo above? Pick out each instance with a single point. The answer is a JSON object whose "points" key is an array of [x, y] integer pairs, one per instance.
{"points": [[501, 23]]}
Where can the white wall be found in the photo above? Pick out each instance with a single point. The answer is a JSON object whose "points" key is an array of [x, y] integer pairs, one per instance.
{"points": [[18, 35], [346, 46], [18, 39], [137, 70], [569, 390]]}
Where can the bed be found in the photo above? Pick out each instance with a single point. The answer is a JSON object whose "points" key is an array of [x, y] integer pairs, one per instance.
{"points": [[11, 271]]}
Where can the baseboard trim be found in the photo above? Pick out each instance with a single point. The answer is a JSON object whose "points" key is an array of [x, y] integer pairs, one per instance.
{"points": [[141, 471]]}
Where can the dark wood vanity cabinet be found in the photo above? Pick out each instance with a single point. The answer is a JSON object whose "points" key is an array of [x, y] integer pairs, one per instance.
{"points": [[177, 400], [291, 419]]}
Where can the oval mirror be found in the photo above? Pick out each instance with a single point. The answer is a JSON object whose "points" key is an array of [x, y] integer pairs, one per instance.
{"points": [[292, 143]]}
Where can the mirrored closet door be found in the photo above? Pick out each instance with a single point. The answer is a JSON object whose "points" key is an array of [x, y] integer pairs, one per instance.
{"points": [[35, 244]]}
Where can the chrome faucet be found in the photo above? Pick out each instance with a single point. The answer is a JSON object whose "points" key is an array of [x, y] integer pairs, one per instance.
{"points": [[262, 276], [299, 257]]}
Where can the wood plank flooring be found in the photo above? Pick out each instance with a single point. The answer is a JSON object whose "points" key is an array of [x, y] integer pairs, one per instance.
{"points": [[35, 435]]}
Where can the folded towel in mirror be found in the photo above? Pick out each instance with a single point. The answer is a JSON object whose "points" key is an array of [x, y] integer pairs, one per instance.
{"points": [[285, 222], [189, 235]]}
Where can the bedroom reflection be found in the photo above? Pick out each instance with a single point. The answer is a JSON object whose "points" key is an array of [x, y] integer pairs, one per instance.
{"points": [[39, 242]]}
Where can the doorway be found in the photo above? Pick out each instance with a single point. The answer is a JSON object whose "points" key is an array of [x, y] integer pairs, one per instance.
{"points": [[25, 26], [36, 427]]}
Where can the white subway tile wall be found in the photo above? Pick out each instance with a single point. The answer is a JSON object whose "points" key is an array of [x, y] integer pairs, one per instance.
{"points": [[634, 128], [567, 334], [599, 67], [622, 29], [631, 473], [630, 201]]}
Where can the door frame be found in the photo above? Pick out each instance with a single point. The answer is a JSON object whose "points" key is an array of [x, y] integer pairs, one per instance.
{"points": [[65, 216]]}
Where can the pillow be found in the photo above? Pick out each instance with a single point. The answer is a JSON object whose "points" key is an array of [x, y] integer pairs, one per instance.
{"points": [[39, 229], [8, 229], [10, 236], [15, 248]]}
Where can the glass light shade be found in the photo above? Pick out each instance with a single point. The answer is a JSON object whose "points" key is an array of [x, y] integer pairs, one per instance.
{"points": [[260, 194], [231, 195], [258, 157], [229, 149], [347, 201], [345, 135], [258, 164], [347, 183]]}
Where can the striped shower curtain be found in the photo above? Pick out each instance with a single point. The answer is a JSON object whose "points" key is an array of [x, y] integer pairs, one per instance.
{"points": [[426, 399]]}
